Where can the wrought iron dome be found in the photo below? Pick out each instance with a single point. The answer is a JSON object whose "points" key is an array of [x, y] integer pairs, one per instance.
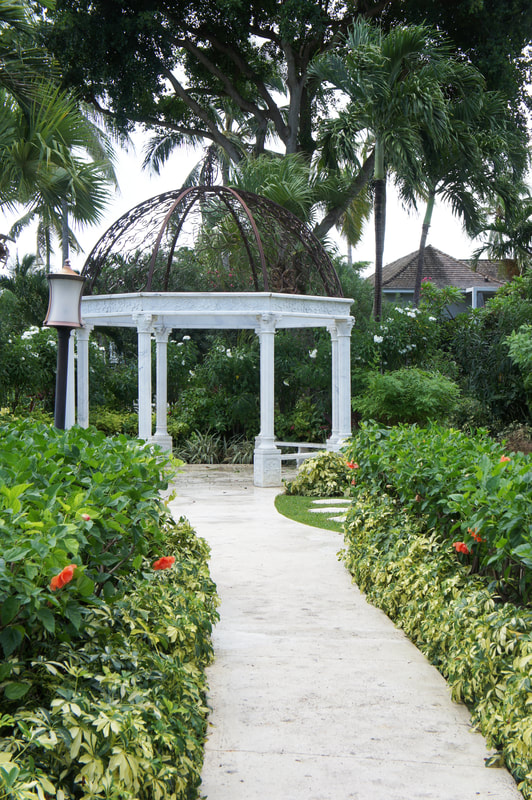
{"points": [[231, 240]]}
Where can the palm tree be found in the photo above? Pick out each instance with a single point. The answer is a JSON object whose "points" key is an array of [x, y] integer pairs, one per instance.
{"points": [[508, 236], [28, 284], [54, 160], [484, 157], [46, 169], [394, 85]]}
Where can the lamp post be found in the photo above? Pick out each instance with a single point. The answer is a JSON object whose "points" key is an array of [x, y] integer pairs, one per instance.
{"points": [[64, 314]]}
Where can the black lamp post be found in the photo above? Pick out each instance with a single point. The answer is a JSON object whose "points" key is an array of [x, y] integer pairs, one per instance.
{"points": [[64, 313]]}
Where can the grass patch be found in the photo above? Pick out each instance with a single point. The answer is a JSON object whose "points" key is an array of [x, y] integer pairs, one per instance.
{"points": [[297, 507]]}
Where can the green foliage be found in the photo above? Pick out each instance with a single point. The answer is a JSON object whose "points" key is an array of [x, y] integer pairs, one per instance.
{"points": [[520, 349], [484, 650], [465, 485], [222, 391], [102, 678], [122, 713], [28, 367], [408, 395], [114, 422], [212, 448], [65, 498], [328, 474], [479, 342]]}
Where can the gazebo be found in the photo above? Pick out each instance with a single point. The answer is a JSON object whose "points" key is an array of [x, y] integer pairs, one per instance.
{"points": [[265, 258]]}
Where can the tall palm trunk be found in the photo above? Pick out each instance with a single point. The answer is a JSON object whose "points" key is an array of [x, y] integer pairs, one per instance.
{"points": [[379, 210], [422, 244], [64, 230]]}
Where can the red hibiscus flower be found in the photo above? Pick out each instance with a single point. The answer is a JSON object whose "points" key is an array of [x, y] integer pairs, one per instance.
{"points": [[165, 562], [64, 577], [461, 547]]}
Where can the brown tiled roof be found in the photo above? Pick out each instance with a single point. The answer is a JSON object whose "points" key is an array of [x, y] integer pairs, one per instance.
{"points": [[443, 270]]}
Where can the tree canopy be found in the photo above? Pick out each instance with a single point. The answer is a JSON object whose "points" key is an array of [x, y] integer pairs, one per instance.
{"points": [[175, 65]]}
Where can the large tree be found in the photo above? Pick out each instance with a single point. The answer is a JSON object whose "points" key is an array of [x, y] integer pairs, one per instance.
{"points": [[173, 65], [485, 157], [397, 84]]}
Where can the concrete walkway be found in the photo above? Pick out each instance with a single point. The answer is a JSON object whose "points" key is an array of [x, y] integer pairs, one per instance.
{"points": [[315, 694]]}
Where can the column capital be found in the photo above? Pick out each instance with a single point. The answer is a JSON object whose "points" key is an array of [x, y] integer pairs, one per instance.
{"points": [[143, 322], [344, 326], [161, 332], [266, 323], [82, 334]]}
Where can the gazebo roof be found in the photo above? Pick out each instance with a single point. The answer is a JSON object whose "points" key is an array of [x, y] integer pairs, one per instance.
{"points": [[185, 239]]}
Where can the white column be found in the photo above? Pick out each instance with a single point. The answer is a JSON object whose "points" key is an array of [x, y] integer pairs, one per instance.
{"points": [[70, 409], [343, 328], [267, 457], [143, 322], [82, 349], [332, 441], [161, 435]]}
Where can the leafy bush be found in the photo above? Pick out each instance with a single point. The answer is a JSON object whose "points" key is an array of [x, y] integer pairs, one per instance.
{"points": [[113, 422], [466, 485], [75, 497], [478, 342], [484, 650], [102, 676], [122, 714], [408, 395], [328, 474]]}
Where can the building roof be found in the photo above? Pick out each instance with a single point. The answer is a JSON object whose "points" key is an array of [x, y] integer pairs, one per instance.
{"points": [[443, 270]]}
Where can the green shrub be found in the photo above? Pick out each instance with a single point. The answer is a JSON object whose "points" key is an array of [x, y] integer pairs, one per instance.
{"points": [[407, 395], [121, 714], [466, 485], [484, 650], [113, 422], [71, 497], [328, 474], [102, 675]]}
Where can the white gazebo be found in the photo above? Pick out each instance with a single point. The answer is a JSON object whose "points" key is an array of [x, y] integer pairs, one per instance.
{"points": [[155, 315], [283, 260]]}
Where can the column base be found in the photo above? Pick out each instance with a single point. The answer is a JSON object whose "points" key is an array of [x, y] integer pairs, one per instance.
{"points": [[267, 467], [164, 440], [336, 442]]}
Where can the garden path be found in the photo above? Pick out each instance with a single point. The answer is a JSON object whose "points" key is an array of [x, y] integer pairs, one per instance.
{"points": [[315, 694]]}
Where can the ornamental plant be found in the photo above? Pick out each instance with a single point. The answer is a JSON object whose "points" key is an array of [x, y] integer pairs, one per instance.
{"points": [[79, 513], [328, 474], [466, 486]]}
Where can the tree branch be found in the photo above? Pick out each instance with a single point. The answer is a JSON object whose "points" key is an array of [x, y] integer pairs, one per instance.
{"points": [[216, 135]]}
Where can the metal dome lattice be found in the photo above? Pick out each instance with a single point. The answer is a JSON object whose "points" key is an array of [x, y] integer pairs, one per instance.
{"points": [[215, 236]]}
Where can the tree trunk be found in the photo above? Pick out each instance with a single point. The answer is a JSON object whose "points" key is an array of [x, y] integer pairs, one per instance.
{"points": [[379, 211], [64, 230], [422, 244]]}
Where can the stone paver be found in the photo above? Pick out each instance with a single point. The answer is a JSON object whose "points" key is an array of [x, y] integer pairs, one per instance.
{"points": [[315, 694]]}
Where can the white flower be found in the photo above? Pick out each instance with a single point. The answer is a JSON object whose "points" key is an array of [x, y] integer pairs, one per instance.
{"points": [[186, 338], [180, 344], [313, 353], [378, 339], [191, 372], [229, 354], [433, 319], [286, 383]]}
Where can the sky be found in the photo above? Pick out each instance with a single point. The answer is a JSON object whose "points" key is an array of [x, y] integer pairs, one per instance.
{"points": [[403, 228]]}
